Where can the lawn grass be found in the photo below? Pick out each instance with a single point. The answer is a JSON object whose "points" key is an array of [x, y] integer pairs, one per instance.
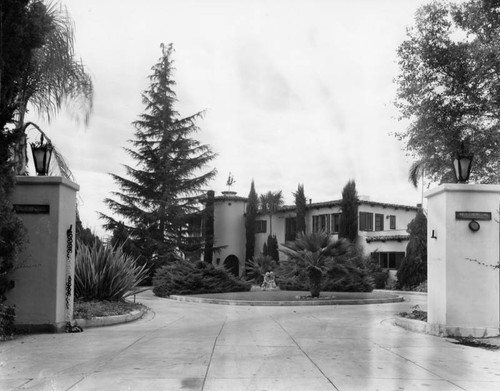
{"points": [[94, 309]]}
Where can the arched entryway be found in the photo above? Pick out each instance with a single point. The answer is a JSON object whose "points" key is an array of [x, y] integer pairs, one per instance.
{"points": [[232, 265]]}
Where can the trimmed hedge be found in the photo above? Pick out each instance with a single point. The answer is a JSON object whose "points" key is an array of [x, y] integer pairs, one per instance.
{"points": [[184, 278]]}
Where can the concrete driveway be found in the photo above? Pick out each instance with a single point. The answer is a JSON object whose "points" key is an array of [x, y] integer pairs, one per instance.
{"points": [[192, 346]]}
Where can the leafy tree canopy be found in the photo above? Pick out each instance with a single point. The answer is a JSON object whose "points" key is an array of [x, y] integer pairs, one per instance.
{"points": [[449, 88]]}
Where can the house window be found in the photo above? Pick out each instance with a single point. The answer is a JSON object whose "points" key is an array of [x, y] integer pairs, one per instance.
{"points": [[260, 226], [335, 222], [392, 222], [379, 222], [388, 259], [322, 223], [365, 221], [290, 228]]}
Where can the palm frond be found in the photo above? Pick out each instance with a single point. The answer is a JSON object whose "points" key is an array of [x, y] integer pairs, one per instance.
{"points": [[54, 76], [415, 172]]}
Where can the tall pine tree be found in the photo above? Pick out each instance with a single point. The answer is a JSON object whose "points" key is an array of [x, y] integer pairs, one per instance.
{"points": [[250, 217], [349, 218], [163, 190]]}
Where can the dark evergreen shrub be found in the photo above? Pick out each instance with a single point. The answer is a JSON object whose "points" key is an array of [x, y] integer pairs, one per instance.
{"points": [[347, 278], [184, 278], [379, 279], [413, 268], [272, 248], [339, 278], [7, 317], [351, 272], [295, 283]]}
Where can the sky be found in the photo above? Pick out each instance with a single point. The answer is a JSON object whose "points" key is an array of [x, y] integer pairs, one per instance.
{"points": [[295, 92]]}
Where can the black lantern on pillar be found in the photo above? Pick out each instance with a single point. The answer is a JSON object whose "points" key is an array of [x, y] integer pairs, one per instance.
{"points": [[42, 152], [462, 162]]}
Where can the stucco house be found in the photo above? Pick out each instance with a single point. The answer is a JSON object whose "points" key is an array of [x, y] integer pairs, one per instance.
{"points": [[381, 228]]}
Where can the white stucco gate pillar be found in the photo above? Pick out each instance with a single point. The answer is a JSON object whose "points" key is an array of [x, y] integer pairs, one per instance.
{"points": [[44, 274], [463, 248]]}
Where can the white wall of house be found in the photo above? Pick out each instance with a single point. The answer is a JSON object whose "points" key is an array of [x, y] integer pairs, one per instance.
{"points": [[376, 233], [229, 228], [379, 238]]}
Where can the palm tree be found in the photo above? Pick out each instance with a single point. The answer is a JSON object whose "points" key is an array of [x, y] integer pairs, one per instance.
{"points": [[417, 173], [314, 253], [269, 204], [53, 76]]}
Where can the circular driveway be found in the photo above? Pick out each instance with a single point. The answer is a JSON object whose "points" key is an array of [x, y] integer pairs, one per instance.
{"points": [[196, 346]]}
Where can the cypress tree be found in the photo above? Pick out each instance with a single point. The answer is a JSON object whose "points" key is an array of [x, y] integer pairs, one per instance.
{"points": [[250, 217], [413, 268], [272, 248], [163, 190], [349, 218], [300, 206]]}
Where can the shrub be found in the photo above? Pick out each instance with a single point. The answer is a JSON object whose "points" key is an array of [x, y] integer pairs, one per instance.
{"points": [[379, 279], [105, 273], [313, 254], [185, 277], [7, 317], [413, 268], [258, 266], [422, 287], [339, 278], [295, 283], [347, 278], [343, 270], [351, 272]]}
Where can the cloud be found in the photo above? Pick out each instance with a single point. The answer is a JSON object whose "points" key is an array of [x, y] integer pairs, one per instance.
{"points": [[295, 91]]}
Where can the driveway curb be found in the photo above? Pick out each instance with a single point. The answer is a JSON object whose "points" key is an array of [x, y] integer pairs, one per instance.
{"points": [[102, 321], [193, 299]]}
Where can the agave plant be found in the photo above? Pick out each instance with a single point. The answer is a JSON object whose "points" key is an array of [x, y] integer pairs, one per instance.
{"points": [[105, 273], [313, 253]]}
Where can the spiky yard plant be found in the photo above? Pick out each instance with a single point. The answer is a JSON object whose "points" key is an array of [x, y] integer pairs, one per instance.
{"points": [[258, 266], [314, 253], [105, 273]]}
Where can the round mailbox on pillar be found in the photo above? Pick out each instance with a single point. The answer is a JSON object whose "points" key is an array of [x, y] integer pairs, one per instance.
{"points": [[474, 226]]}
